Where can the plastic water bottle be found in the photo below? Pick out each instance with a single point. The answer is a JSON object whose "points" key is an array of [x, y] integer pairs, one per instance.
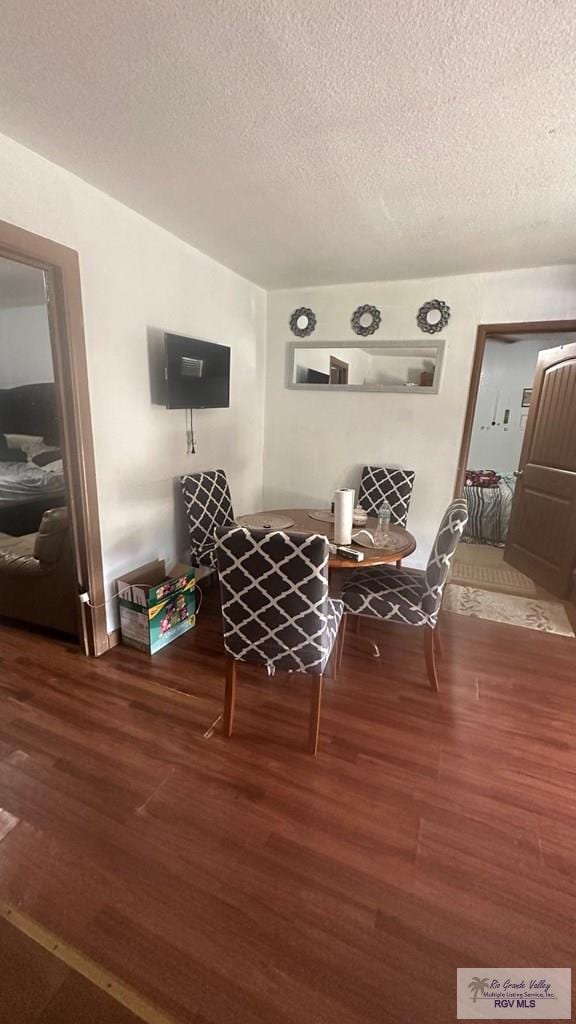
{"points": [[383, 525]]}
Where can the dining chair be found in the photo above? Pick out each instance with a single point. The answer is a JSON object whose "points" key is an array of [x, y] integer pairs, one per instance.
{"points": [[208, 505], [276, 610], [410, 596], [379, 484]]}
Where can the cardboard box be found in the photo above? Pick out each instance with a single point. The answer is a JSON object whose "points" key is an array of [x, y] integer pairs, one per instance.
{"points": [[156, 606]]}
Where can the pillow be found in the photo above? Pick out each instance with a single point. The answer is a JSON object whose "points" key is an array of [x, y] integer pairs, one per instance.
{"points": [[29, 443], [45, 457]]}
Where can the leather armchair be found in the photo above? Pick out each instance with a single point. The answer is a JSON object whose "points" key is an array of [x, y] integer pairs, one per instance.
{"points": [[37, 575]]}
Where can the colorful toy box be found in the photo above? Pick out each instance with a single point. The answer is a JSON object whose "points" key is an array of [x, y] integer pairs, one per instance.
{"points": [[156, 607]]}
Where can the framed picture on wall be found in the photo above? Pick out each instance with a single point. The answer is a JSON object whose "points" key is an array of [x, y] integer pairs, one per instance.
{"points": [[526, 396]]}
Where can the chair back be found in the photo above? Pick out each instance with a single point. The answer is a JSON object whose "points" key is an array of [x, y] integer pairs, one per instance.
{"points": [[274, 595], [449, 533], [380, 484], [208, 505]]}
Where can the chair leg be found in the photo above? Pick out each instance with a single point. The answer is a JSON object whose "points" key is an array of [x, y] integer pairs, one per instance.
{"points": [[314, 727], [361, 642], [341, 639], [230, 696], [438, 642], [331, 666], [398, 563], [429, 654]]}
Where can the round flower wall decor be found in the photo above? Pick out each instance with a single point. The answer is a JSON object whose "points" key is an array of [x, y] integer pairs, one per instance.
{"points": [[302, 322], [433, 316], [366, 320]]}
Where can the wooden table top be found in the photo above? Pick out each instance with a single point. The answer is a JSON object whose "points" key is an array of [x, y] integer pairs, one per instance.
{"points": [[404, 544]]}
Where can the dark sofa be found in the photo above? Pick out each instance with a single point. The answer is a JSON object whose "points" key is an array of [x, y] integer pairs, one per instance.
{"points": [[37, 576]]}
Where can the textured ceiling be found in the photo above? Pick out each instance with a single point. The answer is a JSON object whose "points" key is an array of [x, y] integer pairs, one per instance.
{"points": [[312, 141]]}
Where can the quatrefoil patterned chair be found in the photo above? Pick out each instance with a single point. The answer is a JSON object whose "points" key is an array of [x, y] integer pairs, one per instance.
{"points": [[411, 596], [276, 610], [208, 505], [379, 484]]}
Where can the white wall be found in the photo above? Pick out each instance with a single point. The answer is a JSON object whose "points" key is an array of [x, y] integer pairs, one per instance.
{"points": [[506, 370], [315, 442], [137, 281], [25, 353]]}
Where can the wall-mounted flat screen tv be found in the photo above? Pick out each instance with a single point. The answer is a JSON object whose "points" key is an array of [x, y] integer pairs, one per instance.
{"points": [[197, 373]]}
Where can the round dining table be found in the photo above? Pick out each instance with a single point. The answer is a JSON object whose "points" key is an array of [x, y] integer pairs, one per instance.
{"points": [[400, 544]]}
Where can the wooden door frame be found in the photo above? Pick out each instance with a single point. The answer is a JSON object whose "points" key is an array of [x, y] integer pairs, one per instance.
{"points": [[338, 364], [485, 331], [64, 301]]}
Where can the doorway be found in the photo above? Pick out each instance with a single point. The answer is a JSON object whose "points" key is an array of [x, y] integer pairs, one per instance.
{"points": [[338, 371], [517, 465], [45, 412]]}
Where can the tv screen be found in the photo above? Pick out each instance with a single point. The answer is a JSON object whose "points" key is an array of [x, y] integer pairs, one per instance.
{"points": [[197, 373]]}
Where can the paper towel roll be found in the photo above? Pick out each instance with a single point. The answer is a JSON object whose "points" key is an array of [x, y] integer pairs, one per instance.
{"points": [[343, 513]]}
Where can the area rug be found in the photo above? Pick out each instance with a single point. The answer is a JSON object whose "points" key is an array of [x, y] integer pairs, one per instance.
{"points": [[547, 616], [498, 577]]}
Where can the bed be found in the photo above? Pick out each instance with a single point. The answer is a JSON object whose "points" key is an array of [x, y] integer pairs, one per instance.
{"points": [[489, 510], [26, 492], [31, 472]]}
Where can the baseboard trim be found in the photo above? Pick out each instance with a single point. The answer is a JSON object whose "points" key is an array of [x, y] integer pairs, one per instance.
{"points": [[94, 973], [114, 638]]}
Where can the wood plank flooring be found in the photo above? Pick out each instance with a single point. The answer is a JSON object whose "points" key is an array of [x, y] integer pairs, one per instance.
{"points": [[243, 881], [38, 988]]}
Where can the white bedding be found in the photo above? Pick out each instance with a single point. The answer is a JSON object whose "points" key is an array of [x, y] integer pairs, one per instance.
{"points": [[23, 481]]}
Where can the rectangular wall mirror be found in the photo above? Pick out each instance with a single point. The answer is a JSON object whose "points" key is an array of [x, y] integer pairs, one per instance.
{"points": [[392, 366]]}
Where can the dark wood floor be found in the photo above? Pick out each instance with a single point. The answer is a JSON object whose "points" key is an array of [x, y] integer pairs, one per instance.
{"points": [[38, 987], [243, 881]]}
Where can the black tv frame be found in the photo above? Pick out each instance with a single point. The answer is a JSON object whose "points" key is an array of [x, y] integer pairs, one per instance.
{"points": [[210, 389]]}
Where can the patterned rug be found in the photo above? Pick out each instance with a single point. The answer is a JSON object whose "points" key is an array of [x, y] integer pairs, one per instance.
{"points": [[547, 616], [498, 576]]}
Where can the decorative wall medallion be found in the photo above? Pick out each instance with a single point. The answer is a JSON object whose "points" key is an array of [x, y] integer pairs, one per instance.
{"points": [[433, 316], [302, 322], [366, 320]]}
